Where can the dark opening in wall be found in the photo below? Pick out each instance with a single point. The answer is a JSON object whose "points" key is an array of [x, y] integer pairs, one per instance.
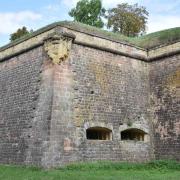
{"points": [[92, 92], [133, 134], [99, 133]]}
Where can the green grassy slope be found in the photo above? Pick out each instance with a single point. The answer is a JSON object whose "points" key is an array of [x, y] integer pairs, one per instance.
{"points": [[158, 38], [146, 41], [158, 170]]}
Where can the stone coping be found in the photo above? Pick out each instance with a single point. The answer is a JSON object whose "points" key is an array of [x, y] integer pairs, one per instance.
{"points": [[90, 40]]}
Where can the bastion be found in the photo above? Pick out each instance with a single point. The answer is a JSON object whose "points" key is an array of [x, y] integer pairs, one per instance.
{"points": [[70, 93]]}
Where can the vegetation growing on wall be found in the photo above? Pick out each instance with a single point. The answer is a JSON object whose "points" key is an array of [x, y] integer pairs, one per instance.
{"points": [[147, 41], [158, 38]]}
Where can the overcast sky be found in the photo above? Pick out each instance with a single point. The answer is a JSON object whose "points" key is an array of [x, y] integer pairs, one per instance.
{"points": [[34, 14]]}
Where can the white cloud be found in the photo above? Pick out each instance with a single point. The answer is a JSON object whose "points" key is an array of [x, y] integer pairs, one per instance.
{"points": [[52, 7], [69, 3], [166, 7], [160, 22], [10, 21], [113, 3]]}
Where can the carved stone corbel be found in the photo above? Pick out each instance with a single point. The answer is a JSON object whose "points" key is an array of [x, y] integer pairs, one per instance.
{"points": [[58, 46]]}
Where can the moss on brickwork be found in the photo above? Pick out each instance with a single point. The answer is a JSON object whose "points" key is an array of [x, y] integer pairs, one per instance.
{"points": [[174, 80], [101, 76], [173, 83]]}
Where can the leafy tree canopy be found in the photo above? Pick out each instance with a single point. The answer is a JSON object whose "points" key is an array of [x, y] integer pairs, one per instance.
{"points": [[19, 33], [88, 12], [129, 20]]}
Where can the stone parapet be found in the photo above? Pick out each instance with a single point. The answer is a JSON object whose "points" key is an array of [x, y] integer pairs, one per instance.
{"points": [[90, 40]]}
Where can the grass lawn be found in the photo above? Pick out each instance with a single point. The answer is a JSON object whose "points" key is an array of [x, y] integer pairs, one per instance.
{"points": [[169, 170]]}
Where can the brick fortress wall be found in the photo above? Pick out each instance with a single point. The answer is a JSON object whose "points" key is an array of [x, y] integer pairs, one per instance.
{"points": [[94, 88], [47, 107], [165, 102], [20, 81]]}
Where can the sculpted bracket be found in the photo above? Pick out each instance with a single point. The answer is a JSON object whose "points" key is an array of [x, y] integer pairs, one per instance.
{"points": [[58, 46]]}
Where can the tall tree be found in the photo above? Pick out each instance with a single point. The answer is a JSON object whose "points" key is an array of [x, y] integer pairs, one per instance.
{"points": [[19, 33], [129, 20], [88, 12]]}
